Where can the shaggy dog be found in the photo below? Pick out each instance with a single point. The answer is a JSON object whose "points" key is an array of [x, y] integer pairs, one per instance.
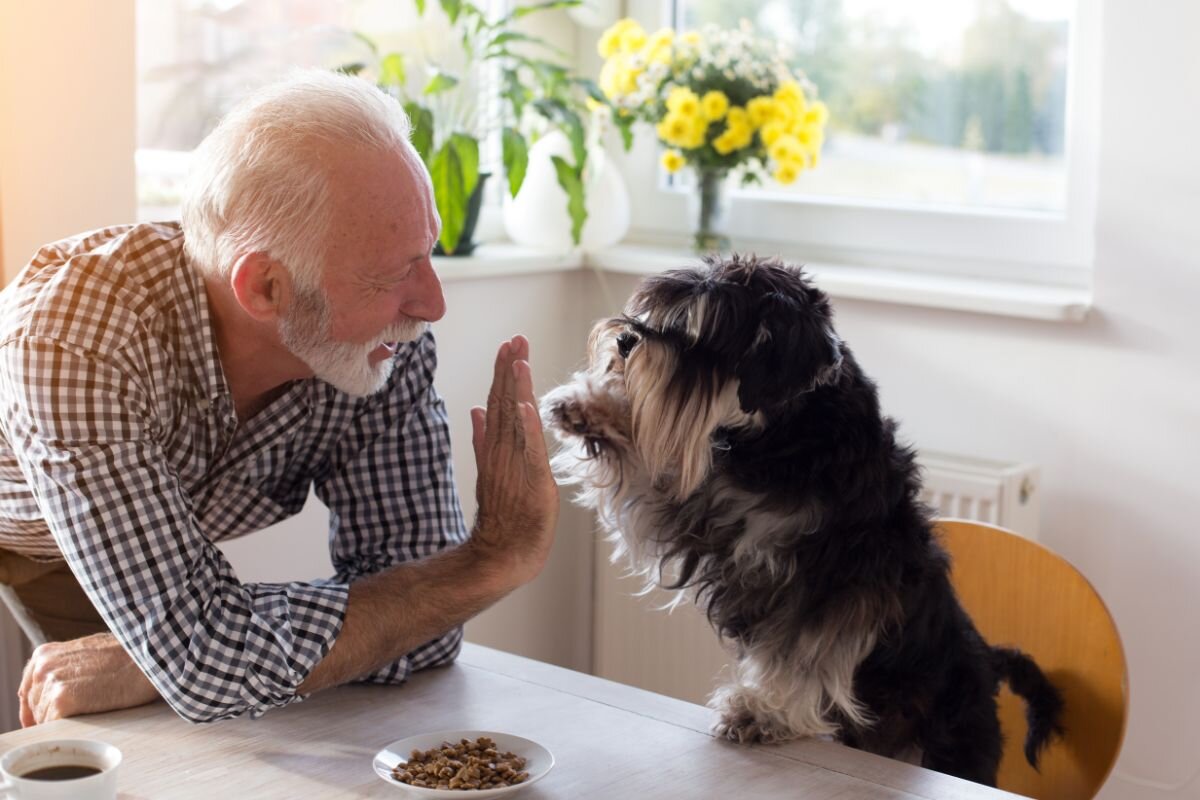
{"points": [[735, 451]]}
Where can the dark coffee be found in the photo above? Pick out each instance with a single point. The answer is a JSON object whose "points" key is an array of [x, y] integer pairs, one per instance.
{"points": [[63, 772]]}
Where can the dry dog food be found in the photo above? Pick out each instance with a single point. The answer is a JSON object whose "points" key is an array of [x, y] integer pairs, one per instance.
{"points": [[466, 765]]}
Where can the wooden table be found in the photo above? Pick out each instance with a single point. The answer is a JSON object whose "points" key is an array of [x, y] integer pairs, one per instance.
{"points": [[610, 741]]}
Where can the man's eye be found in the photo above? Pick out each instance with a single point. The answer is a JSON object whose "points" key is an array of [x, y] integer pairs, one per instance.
{"points": [[625, 343]]}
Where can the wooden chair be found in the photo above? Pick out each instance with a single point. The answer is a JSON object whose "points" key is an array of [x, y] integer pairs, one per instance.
{"points": [[1020, 593]]}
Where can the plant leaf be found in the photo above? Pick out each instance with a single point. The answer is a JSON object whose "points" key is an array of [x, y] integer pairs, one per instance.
{"points": [[468, 157], [569, 178], [351, 69], [625, 126], [446, 173], [516, 159], [362, 37], [440, 82], [452, 9], [420, 7], [534, 8], [575, 132], [391, 70], [515, 92], [496, 47], [593, 91], [421, 120]]}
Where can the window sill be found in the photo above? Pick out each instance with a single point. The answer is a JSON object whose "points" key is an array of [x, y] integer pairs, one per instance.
{"points": [[902, 287]]}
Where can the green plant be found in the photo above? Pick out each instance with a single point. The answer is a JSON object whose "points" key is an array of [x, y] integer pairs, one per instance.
{"points": [[448, 135]]}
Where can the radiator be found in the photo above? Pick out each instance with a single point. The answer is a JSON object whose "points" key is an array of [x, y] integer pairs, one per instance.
{"points": [[677, 653]]}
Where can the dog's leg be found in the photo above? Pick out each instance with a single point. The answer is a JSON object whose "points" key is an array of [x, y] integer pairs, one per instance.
{"points": [[765, 704], [969, 746]]}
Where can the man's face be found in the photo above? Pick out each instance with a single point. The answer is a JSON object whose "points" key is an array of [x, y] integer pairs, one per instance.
{"points": [[378, 285]]}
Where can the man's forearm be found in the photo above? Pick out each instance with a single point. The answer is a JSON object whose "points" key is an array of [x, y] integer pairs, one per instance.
{"points": [[395, 611]]}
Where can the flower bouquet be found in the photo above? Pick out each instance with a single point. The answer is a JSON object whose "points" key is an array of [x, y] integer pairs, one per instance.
{"points": [[722, 101]]}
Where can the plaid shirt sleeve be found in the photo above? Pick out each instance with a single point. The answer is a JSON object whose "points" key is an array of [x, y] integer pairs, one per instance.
{"points": [[88, 443], [390, 490]]}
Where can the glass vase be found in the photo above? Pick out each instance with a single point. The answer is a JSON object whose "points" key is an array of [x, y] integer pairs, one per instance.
{"points": [[709, 211]]}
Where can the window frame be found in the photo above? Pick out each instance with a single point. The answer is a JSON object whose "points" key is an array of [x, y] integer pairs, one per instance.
{"points": [[1033, 247]]}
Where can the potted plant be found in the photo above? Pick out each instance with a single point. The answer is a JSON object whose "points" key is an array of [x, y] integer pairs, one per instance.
{"points": [[451, 116], [722, 101]]}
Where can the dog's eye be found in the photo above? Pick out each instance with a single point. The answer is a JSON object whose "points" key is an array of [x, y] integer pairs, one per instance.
{"points": [[625, 343]]}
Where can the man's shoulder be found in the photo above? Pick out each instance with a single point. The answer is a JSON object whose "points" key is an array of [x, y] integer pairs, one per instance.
{"points": [[95, 289]]}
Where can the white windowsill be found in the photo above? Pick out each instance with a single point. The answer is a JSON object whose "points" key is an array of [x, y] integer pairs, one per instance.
{"points": [[903, 287]]}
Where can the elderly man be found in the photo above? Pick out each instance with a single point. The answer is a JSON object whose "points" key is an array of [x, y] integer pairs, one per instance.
{"points": [[167, 386]]}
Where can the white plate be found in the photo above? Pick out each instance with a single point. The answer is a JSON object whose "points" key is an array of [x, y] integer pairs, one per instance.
{"points": [[538, 762]]}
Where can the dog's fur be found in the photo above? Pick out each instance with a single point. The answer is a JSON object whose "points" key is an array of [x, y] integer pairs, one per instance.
{"points": [[735, 452]]}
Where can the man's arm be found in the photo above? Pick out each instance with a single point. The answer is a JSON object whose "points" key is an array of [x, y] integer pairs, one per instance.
{"points": [[394, 611], [400, 608]]}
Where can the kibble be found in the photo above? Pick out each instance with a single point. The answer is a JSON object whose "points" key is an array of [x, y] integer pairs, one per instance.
{"points": [[467, 765]]}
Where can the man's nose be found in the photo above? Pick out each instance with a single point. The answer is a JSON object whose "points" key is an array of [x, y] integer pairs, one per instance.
{"points": [[426, 300]]}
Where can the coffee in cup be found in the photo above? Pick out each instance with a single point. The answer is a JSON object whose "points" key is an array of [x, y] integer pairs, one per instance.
{"points": [[60, 768]]}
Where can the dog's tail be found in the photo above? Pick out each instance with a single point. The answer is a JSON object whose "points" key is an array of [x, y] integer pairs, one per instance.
{"points": [[1043, 701]]}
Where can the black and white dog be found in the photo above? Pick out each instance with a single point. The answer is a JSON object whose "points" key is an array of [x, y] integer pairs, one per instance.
{"points": [[736, 452]]}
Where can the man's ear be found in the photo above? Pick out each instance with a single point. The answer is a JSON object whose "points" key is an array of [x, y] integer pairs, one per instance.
{"points": [[262, 286]]}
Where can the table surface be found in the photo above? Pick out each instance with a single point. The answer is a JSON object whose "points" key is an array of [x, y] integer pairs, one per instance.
{"points": [[609, 741]]}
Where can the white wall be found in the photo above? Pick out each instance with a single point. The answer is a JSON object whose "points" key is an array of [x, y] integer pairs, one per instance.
{"points": [[66, 121]]}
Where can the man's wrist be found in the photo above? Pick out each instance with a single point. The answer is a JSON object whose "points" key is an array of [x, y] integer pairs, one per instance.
{"points": [[494, 565]]}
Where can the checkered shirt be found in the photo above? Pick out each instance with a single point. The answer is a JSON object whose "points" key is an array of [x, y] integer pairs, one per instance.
{"points": [[120, 452]]}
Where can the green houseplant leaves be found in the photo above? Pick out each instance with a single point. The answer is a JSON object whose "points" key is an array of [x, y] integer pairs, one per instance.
{"points": [[451, 148]]}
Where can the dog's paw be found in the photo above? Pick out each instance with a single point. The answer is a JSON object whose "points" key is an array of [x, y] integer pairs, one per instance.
{"points": [[744, 728], [562, 412]]}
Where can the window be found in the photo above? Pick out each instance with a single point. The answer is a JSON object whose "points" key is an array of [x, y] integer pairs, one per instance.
{"points": [[197, 58], [961, 136], [959, 104]]}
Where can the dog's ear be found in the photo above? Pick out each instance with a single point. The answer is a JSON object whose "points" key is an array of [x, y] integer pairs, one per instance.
{"points": [[795, 351]]}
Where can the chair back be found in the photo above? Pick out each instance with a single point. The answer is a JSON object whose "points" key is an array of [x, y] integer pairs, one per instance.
{"points": [[1021, 594]]}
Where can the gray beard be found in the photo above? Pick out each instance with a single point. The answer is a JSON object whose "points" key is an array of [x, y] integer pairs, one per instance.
{"points": [[304, 331]]}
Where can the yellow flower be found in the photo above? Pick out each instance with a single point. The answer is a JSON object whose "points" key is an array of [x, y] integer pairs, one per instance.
{"points": [[724, 144], [632, 38], [771, 131], [810, 138], [677, 130], [714, 105], [786, 148], [657, 55], [737, 117], [784, 112], [761, 110], [788, 171], [617, 78], [610, 77], [683, 100], [673, 160], [817, 114], [610, 43], [791, 93], [663, 37], [691, 38]]}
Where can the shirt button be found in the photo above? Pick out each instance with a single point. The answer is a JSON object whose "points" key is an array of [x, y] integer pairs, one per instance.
{"points": [[203, 404]]}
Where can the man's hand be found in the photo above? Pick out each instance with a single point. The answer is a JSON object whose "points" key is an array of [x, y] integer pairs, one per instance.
{"points": [[408, 604], [81, 676], [517, 496]]}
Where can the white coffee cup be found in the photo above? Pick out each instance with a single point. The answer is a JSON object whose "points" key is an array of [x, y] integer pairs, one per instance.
{"points": [[19, 767]]}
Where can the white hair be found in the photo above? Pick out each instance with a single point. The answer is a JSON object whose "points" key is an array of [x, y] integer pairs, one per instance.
{"points": [[258, 183]]}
